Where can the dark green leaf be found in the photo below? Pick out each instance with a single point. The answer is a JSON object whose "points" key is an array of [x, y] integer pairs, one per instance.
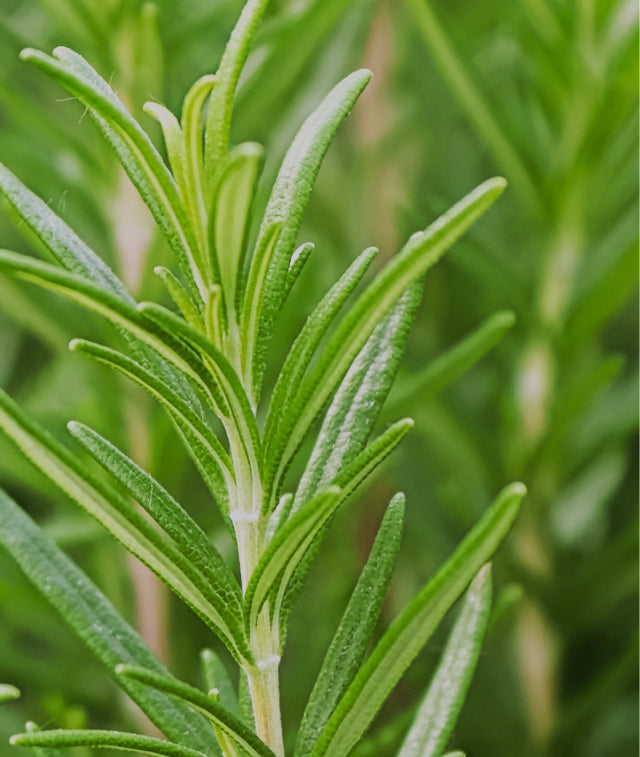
{"points": [[97, 624], [439, 710], [349, 644], [221, 718], [413, 627]]}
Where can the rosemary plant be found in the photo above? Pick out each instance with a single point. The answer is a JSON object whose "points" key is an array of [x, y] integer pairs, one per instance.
{"points": [[205, 364]]}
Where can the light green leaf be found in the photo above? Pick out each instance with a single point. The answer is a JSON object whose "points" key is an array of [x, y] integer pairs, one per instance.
{"points": [[227, 381], [194, 194], [180, 296], [349, 479], [215, 675], [454, 362], [357, 403], [307, 342], [421, 252], [77, 258], [349, 644], [96, 623], [212, 456], [122, 520], [229, 220], [296, 264], [67, 248], [270, 265], [285, 552], [140, 159], [221, 718], [8, 692], [127, 742], [439, 710], [122, 314], [413, 627], [227, 75], [187, 535]]}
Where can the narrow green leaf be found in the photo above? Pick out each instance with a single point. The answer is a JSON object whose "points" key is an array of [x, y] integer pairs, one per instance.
{"points": [[349, 644], [229, 219], [63, 244], [414, 626], [358, 400], [221, 370], [296, 264], [454, 362], [221, 718], [286, 550], [127, 742], [121, 313], [96, 623], [421, 252], [270, 265], [77, 258], [187, 535], [42, 751], [215, 675], [307, 342], [195, 198], [8, 692], [180, 296], [212, 455], [349, 479], [121, 520], [136, 152], [353, 474], [227, 75], [439, 710]]}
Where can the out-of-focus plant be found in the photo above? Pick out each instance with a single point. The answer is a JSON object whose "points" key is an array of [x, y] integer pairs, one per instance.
{"points": [[546, 92], [206, 365]]}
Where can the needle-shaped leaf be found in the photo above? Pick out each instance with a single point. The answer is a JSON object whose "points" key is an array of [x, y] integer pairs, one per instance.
{"points": [[227, 75], [128, 526], [308, 339], [221, 370], [421, 252], [180, 296], [211, 454], [454, 362], [77, 258], [413, 627], [230, 216], [136, 152], [96, 623], [8, 692], [270, 265], [288, 547], [166, 512], [349, 645], [357, 403], [127, 742], [348, 480], [121, 313], [296, 264], [63, 244], [216, 677], [219, 716], [42, 751], [195, 197], [441, 706]]}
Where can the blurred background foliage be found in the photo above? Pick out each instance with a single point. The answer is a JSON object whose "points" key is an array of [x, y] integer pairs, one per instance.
{"points": [[543, 92]]}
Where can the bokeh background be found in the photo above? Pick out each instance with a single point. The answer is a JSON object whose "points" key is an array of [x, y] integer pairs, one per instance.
{"points": [[544, 92]]}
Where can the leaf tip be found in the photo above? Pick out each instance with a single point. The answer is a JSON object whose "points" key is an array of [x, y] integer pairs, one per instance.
{"points": [[28, 53]]}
